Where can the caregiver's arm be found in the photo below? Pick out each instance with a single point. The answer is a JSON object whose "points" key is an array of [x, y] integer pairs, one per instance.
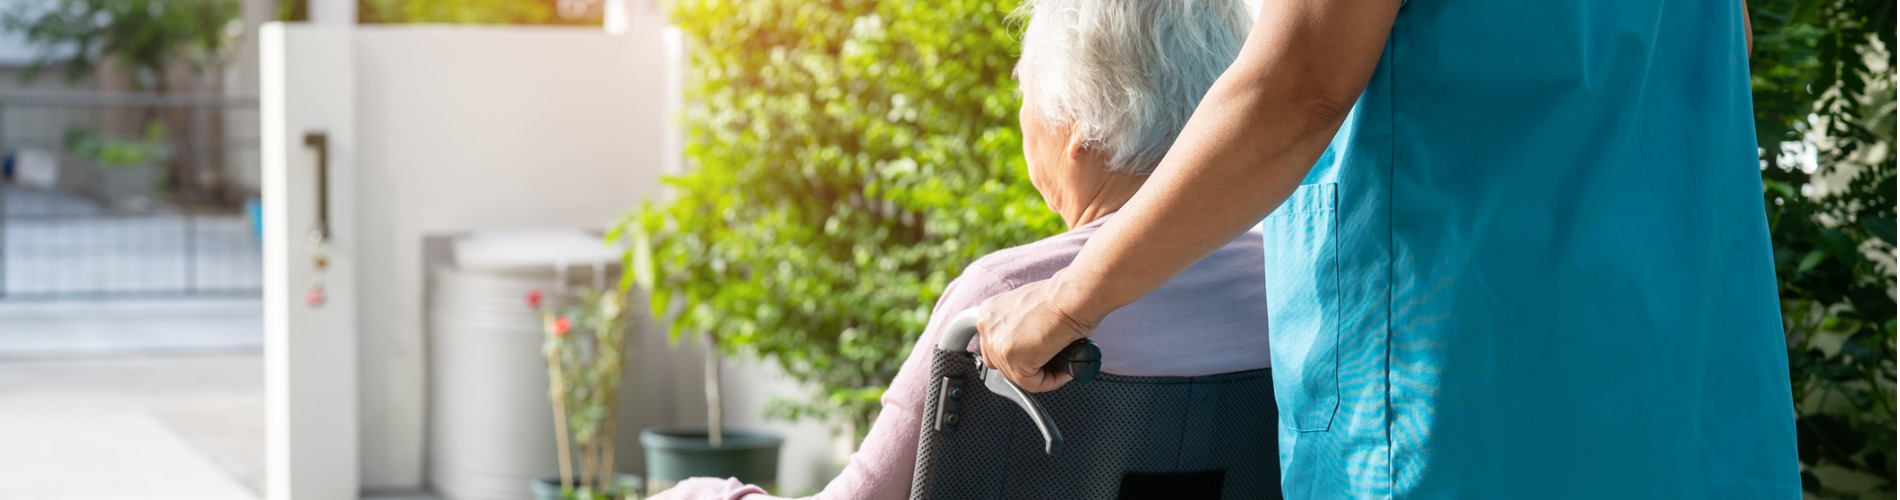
{"points": [[1748, 28], [1250, 142]]}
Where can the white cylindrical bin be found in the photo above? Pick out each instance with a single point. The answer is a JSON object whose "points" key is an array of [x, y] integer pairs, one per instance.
{"points": [[490, 424]]}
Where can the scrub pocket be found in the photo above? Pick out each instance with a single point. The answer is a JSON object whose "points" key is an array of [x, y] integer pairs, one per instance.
{"points": [[1303, 306]]}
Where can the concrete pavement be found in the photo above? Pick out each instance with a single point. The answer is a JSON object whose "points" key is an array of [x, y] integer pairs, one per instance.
{"points": [[177, 426], [32, 329]]}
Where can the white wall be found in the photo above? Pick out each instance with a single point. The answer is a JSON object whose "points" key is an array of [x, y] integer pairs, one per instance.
{"points": [[455, 129], [309, 352], [471, 128], [467, 128]]}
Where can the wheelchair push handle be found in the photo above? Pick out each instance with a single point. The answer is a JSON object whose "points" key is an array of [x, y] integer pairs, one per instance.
{"points": [[1082, 360]]}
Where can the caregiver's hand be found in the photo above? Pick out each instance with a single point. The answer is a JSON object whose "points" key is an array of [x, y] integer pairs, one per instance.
{"points": [[1024, 328]]}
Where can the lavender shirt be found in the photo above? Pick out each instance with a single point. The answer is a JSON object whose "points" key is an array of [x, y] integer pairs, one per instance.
{"points": [[1210, 319]]}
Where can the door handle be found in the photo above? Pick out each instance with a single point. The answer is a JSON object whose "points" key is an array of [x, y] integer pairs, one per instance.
{"points": [[320, 142]]}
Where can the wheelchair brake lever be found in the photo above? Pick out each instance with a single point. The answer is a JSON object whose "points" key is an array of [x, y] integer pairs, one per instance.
{"points": [[1051, 436], [1082, 360]]}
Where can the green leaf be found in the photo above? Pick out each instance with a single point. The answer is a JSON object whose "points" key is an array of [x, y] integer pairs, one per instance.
{"points": [[1882, 227], [1809, 261], [640, 263]]}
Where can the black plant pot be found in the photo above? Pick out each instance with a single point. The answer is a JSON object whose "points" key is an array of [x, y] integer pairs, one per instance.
{"points": [[675, 453]]}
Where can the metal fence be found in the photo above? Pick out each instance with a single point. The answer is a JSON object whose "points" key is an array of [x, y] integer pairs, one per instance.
{"points": [[91, 206]]}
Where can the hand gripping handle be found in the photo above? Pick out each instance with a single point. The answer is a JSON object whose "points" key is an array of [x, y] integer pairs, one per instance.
{"points": [[1082, 360]]}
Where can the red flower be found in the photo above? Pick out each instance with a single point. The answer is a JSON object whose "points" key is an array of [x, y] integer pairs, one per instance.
{"points": [[560, 326], [534, 298]]}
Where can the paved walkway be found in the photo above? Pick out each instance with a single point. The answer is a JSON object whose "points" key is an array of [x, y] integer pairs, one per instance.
{"points": [[35, 329], [129, 398], [184, 427], [148, 399]]}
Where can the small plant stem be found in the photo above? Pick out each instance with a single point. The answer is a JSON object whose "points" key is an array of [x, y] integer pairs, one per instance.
{"points": [[607, 444], [715, 420], [559, 392], [587, 464], [615, 337], [592, 459]]}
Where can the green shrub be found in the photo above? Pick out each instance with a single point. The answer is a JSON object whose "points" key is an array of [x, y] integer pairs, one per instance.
{"points": [[1823, 77], [848, 158], [104, 151], [150, 40]]}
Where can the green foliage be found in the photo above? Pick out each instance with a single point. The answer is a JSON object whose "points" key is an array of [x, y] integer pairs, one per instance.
{"points": [[480, 11], [849, 159], [104, 151], [147, 37], [1823, 77]]}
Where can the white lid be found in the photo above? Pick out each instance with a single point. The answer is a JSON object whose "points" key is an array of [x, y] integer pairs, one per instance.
{"points": [[517, 250]]}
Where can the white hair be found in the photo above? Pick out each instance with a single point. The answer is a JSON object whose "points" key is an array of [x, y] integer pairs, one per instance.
{"points": [[1127, 73]]}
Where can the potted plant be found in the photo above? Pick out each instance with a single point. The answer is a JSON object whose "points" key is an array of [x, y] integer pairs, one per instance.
{"points": [[585, 347], [677, 452], [845, 167], [123, 174]]}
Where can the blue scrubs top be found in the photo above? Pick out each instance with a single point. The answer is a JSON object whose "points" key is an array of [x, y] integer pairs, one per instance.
{"points": [[1534, 263]]}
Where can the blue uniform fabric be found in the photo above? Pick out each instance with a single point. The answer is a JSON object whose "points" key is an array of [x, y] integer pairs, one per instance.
{"points": [[1534, 263]]}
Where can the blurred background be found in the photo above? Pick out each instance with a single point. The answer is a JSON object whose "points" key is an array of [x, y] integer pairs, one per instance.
{"points": [[334, 248]]}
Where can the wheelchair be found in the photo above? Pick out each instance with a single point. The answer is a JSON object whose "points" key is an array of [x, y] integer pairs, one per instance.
{"points": [[1113, 437]]}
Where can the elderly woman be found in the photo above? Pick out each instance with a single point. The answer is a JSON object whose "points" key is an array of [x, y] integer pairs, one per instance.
{"points": [[1107, 85]]}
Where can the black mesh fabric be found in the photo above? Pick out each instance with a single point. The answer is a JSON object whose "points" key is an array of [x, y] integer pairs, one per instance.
{"points": [[1113, 425]]}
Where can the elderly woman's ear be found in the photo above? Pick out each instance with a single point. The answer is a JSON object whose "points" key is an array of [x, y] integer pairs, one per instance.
{"points": [[1077, 145]]}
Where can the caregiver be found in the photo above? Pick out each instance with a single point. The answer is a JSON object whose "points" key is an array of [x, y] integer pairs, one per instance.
{"points": [[1514, 249]]}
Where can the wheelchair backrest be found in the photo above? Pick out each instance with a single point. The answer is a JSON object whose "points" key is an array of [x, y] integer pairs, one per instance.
{"points": [[1126, 438]]}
